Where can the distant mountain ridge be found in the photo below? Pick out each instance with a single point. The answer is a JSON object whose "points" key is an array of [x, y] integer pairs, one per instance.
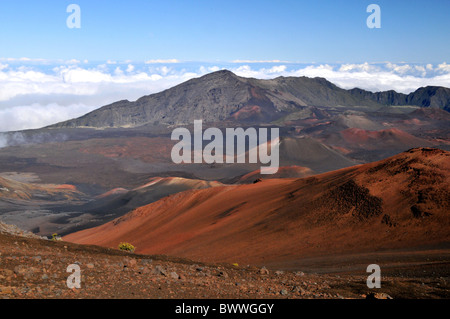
{"points": [[222, 95], [430, 96]]}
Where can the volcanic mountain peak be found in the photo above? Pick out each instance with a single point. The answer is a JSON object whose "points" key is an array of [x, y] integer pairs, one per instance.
{"points": [[222, 95]]}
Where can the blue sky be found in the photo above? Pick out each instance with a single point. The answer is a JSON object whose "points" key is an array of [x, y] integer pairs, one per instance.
{"points": [[129, 48], [198, 30]]}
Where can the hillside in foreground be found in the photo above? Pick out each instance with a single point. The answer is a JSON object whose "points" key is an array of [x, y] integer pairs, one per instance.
{"points": [[35, 269]]}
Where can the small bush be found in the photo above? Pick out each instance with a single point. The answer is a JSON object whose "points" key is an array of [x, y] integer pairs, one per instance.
{"points": [[126, 247], [55, 237]]}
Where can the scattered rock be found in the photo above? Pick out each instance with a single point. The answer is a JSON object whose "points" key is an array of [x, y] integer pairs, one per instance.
{"points": [[16, 231], [47, 261], [131, 263], [174, 275], [5, 290], [299, 290], [37, 271], [160, 271], [264, 271], [146, 261], [378, 295], [7, 272], [37, 259]]}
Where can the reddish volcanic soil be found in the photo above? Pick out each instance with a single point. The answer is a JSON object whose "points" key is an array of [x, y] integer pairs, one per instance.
{"points": [[68, 187], [402, 202], [150, 150], [247, 111], [36, 269], [178, 181], [372, 140], [113, 192], [12, 189]]}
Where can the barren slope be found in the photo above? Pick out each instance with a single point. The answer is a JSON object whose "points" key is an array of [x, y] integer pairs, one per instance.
{"points": [[36, 269], [400, 202], [15, 190]]}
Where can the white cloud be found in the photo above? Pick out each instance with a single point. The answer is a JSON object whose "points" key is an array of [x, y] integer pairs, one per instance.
{"points": [[24, 60], [3, 140], [259, 61], [80, 75], [263, 73], [34, 95], [209, 69], [73, 61], [444, 67], [381, 77], [161, 61], [37, 116], [365, 67], [164, 70], [118, 71], [401, 69], [277, 69], [130, 68]]}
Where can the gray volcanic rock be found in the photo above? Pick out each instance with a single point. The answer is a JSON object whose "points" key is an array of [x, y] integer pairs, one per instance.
{"points": [[222, 95], [211, 98], [16, 231], [390, 97], [430, 96]]}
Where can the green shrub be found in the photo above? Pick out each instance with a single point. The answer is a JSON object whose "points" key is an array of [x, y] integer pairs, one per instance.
{"points": [[126, 247], [55, 237]]}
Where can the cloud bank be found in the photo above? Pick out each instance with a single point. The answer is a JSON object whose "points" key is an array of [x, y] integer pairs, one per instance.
{"points": [[37, 93]]}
